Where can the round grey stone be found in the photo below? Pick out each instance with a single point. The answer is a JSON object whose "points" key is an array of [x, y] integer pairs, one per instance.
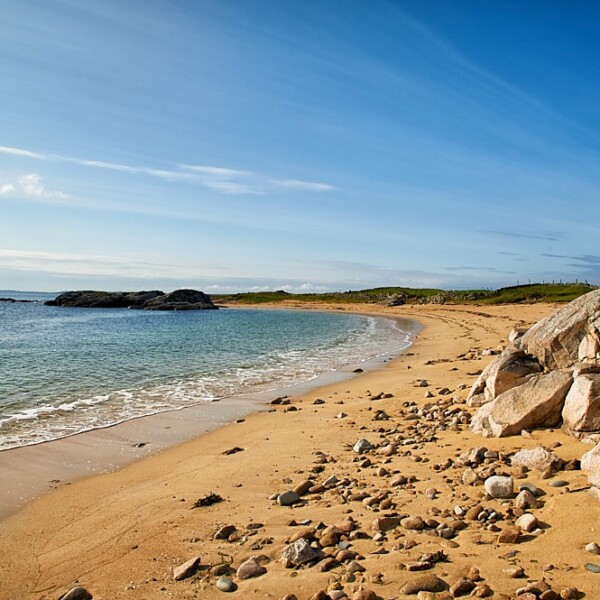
{"points": [[226, 584]]}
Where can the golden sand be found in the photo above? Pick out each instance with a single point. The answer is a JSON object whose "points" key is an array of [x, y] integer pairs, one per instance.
{"points": [[121, 534]]}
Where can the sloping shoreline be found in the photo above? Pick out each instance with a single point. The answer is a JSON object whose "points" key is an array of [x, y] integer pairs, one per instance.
{"points": [[121, 534]]}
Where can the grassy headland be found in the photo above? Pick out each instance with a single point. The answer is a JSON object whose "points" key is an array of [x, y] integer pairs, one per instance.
{"points": [[536, 292]]}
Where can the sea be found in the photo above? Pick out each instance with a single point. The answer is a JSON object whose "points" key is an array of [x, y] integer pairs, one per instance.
{"points": [[64, 371]]}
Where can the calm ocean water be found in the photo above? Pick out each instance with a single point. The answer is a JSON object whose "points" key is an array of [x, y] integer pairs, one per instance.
{"points": [[67, 370]]}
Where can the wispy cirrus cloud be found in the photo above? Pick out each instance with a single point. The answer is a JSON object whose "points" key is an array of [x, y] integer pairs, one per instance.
{"points": [[584, 259], [220, 179], [550, 236], [21, 152], [295, 184], [78, 264]]}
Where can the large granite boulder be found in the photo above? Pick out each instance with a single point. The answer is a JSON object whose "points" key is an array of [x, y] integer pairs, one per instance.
{"points": [[590, 462], [152, 300], [509, 369], [556, 340], [547, 376], [581, 412], [530, 384], [536, 403]]}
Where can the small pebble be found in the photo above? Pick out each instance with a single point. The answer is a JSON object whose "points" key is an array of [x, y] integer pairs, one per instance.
{"points": [[226, 584], [558, 483], [593, 548]]}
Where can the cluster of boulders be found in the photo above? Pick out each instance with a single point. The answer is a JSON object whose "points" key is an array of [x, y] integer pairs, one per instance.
{"points": [[548, 376], [148, 300]]}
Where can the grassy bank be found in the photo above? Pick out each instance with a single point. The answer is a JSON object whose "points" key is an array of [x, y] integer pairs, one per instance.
{"points": [[537, 292]]}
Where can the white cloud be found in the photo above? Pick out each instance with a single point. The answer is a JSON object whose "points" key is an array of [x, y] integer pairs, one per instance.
{"points": [[220, 179], [234, 181], [221, 172], [224, 180], [6, 188], [104, 165], [32, 186], [77, 264], [20, 152], [303, 185]]}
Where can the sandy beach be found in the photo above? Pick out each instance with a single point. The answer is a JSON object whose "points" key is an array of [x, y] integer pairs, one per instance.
{"points": [[121, 534]]}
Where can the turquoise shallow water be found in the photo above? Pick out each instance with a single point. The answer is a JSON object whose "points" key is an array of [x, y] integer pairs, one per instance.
{"points": [[67, 370]]}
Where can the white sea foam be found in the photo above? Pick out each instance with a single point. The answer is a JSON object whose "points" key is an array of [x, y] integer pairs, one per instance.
{"points": [[45, 417]]}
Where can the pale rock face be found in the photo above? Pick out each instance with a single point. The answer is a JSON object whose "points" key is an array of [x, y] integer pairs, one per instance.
{"points": [[588, 348], [590, 462], [509, 369], [536, 403], [516, 334], [535, 458], [480, 422], [555, 340], [581, 412]]}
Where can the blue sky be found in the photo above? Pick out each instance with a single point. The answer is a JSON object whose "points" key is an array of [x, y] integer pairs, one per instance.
{"points": [[315, 145]]}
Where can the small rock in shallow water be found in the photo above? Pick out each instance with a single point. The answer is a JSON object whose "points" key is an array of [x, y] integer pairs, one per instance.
{"points": [[226, 584]]}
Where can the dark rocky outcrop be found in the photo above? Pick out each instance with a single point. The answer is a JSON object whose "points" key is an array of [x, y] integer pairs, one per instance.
{"points": [[180, 300], [145, 300]]}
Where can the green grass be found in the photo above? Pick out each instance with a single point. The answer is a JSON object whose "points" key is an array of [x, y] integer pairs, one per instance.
{"points": [[536, 292]]}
